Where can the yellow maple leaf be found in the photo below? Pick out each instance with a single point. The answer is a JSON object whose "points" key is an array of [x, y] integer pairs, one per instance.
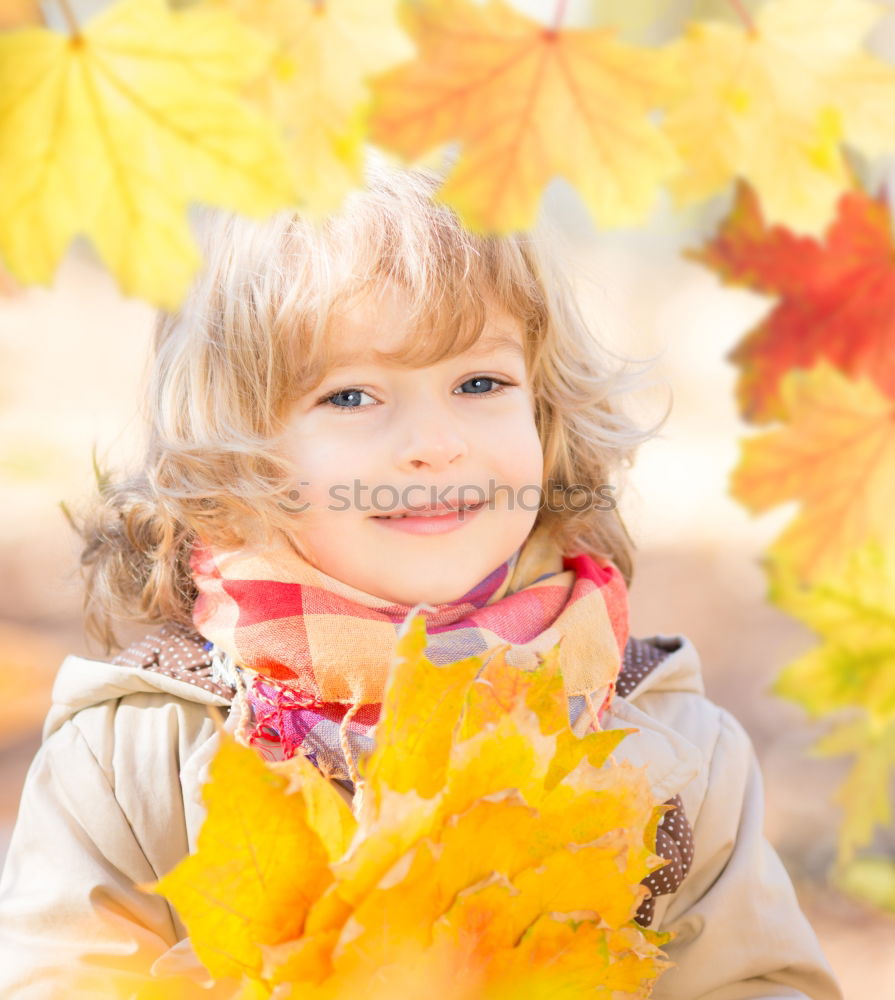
{"points": [[316, 84], [775, 104], [527, 103], [112, 132], [419, 710], [259, 866], [865, 794], [567, 947], [853, 612], [469, 887], [834, 455], [326, 812]]}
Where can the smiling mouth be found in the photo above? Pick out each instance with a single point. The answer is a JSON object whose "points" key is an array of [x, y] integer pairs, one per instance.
{"points": [[452, 513]]}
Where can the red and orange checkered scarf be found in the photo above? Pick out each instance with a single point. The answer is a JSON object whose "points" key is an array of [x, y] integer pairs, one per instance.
{"points": [[316, 652]]}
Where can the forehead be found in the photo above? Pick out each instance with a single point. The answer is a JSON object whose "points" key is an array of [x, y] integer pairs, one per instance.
{"points": [[380, 329]]}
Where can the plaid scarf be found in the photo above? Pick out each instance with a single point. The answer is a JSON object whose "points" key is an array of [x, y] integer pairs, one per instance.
{"points": [[315, 652]]}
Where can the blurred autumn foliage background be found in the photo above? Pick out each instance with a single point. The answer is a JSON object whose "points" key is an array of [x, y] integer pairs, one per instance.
{"points": [[71, 358]]}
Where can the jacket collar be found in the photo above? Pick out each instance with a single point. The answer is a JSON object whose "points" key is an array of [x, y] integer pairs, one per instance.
{"points": [[671, 760], [82, 682]]}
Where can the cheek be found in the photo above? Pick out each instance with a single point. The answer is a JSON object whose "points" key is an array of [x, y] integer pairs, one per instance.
{"points": [[520, 454], [323, 460]]}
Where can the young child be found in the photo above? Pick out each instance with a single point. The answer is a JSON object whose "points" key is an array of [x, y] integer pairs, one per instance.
{"points": [[317, 383]]}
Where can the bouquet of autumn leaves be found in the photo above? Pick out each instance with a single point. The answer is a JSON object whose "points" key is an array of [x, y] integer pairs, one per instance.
{"points": [[495, 854]]}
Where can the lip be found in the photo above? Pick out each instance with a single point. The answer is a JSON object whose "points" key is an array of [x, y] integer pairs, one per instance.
{"points": [[450, 506], [433, 524]]}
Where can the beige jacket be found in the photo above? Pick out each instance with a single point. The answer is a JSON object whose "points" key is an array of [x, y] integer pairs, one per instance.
{"points": [[113, 799]]}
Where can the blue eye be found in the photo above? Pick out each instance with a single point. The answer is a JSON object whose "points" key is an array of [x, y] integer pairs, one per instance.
{"points": [[344, 392], [354, 406], [485, 378]]}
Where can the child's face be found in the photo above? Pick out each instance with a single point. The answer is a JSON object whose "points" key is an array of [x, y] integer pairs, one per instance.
{"points": [[391, 437]]}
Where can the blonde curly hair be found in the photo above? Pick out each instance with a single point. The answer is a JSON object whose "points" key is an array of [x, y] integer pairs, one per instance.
{"points": [[251, 337]]}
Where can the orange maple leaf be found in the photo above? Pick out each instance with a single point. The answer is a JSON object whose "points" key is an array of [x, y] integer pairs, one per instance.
{"points": [[837, 296], [527, 102], [835, 456]]}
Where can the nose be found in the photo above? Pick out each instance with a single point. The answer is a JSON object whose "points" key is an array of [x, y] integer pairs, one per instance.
{"points": [[430, 440]]}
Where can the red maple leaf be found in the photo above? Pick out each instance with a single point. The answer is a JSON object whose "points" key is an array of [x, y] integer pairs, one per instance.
{"points": [[837, 297]]}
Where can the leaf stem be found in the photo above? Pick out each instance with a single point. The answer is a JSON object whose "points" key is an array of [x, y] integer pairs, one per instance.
{"points": [[558, 14], [70, 18], [744, 15]]}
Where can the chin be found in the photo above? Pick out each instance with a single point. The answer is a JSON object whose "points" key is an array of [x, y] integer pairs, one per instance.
{"points": [[419, 597]]}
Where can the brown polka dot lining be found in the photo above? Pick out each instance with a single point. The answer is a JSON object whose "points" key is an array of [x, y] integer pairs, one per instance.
{"points": [[674, 837], [642, 656], [176, 651], [674, 841]]}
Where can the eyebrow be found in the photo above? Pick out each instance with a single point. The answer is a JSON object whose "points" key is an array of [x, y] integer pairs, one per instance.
{"points": [[485, 344], [496, 341]]}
